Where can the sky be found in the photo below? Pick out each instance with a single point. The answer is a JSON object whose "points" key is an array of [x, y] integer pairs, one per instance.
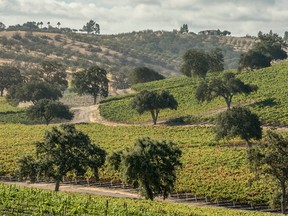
{"points": [[240, 17]]}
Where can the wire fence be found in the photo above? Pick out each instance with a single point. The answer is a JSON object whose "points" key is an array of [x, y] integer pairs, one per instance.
{"points": [[177, 197]]}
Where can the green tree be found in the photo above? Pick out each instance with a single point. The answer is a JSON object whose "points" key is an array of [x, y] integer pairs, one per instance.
{"points": [[48, 110], [253, 60], [9, 76], [32, 92], [184, 28], [92, 27], [153, 102], [2, 26], [58, 24], [238, 122], [150, 165], [143, 74], [226, 86], [270, 47], [270, 157], [53, 72], [91, 81], [198, 62], [63, 150], [216, 62]]}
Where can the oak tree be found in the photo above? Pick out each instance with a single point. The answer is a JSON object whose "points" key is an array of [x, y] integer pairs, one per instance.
{"points": [[91, 81], [149, 165], [153, 102], [63, 150]]}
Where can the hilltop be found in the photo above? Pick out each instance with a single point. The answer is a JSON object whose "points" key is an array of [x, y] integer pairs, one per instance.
{"points": [[159, 50]]}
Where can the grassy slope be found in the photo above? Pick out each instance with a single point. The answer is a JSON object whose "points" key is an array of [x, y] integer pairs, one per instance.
{"points": [[28, 200], [270, 101]]}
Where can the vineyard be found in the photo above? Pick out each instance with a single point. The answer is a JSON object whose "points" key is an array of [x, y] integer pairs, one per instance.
{"points": [[25, 201], [269, 102], [217, 170]]}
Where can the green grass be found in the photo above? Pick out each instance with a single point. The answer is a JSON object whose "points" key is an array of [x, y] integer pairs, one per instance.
{"points": [[270, 101], [40, 202]]}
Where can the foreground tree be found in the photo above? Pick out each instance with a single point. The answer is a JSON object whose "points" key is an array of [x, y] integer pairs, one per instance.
{"points": [[238, 122], [144, 74], [63, 150], [32, 92], [9, 76], [270, 157], [153, 102], [48, 110], [91, 81], [227, 86], [150, 165], [198, 62]]}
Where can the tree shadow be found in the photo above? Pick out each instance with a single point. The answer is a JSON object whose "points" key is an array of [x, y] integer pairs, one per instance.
{"points": [[269, 102]]}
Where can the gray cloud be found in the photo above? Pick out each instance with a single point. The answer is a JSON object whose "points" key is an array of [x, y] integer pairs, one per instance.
{"points": [[114, 16]]}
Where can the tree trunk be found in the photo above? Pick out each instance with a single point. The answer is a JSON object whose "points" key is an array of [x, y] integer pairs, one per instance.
{"points": [[148, 191], [57, 186], [58, 180], [228, 101], [1, 92], [154, 117], [249, 143], [283, 197], [94, 99]]}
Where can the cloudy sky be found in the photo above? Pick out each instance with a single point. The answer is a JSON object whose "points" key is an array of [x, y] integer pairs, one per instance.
{"points": [[241, 17]]}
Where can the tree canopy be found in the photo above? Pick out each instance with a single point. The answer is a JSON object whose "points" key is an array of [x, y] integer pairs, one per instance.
{"points": [[150, 165], [270, 157], [54, 72], [198, 63], [153, 102], [9, 76], [48, 110], [269, 47], [91, 81], [238, 122], [92, 27], [143, 74], [32, 92], [63, 150], [226, 86]]}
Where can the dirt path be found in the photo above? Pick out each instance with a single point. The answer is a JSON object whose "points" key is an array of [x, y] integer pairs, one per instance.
{"points": [[108, 192], [79, 189], [91, 114]]}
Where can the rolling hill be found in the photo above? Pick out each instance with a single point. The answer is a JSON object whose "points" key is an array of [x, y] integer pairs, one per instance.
{"points": [[269, 102], [159, 50]]}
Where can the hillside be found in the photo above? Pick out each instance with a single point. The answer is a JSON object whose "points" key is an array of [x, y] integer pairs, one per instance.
{"points": [[269, 102], [214, 169], [159, 50]]}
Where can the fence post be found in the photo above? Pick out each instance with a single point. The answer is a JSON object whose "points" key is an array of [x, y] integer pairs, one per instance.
{"points": [[106, 208]]}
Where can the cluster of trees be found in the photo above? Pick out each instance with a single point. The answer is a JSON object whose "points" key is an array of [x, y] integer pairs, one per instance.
{"points": [[42, 87], [45, 85], [90, 27], [184, 28], [269, 47], [150, 165]]}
